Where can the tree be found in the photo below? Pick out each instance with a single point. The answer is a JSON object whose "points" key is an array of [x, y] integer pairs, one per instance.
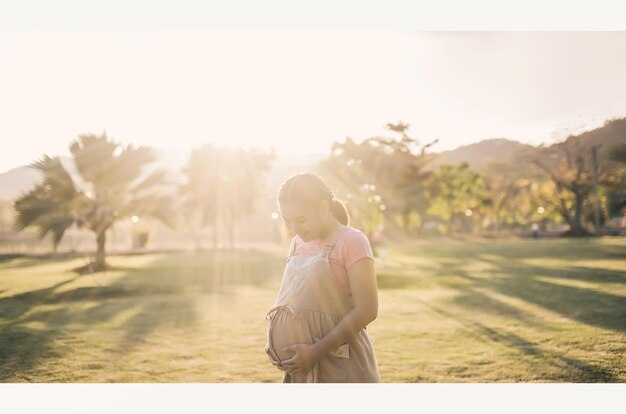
{"points": [[53, 205], [380, 177], [242, 178], [566, 165], [201, 193], [408, 201], [353, 181], [456, 193], [569, 165], [616, 185], [111, 188], [617, 152], [222, 186], [515, 194]]}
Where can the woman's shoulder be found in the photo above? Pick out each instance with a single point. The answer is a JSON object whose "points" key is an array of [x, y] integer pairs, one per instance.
{"points": [[354, 238], [355, 245], [353, 233]]}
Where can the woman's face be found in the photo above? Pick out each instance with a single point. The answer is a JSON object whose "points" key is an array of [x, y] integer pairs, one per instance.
{"points": [[304, 220]]}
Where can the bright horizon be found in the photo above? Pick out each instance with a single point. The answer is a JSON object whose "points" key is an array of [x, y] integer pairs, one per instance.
{"points": [[300, 91]]}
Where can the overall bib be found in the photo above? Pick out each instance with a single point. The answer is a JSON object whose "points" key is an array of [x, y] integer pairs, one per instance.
{"points": [[310, 303]]}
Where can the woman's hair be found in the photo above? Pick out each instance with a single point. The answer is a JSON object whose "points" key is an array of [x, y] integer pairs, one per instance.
{"points": [[309, 189]]}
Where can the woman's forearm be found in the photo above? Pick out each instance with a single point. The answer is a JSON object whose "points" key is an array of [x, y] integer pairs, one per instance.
{"points": [[347, 329]]}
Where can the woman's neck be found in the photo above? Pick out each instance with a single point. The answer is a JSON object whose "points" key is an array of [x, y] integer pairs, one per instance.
{"points": [[332, 226]]}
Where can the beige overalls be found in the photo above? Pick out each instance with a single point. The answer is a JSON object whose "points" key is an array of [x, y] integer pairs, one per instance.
{"points": [[310, 303]]}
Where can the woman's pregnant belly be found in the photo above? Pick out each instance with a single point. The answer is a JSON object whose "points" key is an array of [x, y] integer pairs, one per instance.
{"points": [[283, 330]]}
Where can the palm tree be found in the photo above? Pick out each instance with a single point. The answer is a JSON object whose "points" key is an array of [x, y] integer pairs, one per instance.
{"points": [[222, 186], [112, 189], [201, 194]]}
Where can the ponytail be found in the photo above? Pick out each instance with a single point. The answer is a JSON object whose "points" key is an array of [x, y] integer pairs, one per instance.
{"points": [[339, 210]]}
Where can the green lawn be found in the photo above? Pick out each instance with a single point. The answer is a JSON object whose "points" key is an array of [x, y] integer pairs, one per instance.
{"points": [[450, 311]]}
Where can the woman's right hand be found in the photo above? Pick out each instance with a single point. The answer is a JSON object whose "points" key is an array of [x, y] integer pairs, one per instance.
{"points": [[272, 360]]}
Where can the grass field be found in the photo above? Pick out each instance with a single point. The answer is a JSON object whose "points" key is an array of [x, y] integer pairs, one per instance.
{"points": [[450, 311]]}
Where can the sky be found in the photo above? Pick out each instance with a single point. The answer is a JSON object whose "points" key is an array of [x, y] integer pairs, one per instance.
{"points": [[300, 91]]}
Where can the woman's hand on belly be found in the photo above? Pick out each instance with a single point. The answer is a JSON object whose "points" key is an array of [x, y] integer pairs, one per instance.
{"points": [[272, 360], [306, 355]]}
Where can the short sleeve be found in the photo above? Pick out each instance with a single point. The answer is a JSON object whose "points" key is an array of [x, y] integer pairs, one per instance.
{"points": [[356, 246]]}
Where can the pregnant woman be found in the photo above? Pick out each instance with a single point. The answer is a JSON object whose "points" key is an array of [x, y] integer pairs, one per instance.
{"points": [[328, 295]]}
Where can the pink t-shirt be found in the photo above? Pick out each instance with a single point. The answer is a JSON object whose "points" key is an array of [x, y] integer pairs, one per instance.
{"points": [[351, 245]]}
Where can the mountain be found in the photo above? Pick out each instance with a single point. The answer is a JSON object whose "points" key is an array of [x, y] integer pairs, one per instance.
{"points": [[17, 180], [613, 132], [477, 153], [21, 179]]}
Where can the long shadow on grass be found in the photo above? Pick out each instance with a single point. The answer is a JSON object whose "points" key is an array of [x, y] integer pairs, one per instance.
{"points": [[523, 281], [22, 261], [159, 295], [518, 249], [588, 306], [516, 279], [13, 307], [584, 273], [577, 371]]}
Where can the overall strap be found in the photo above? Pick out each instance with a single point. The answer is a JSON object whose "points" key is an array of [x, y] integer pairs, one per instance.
{"points": [[292, 248], [330, 244]]}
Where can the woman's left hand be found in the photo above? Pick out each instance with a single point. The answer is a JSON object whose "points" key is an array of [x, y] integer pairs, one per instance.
{"points": [[305, 357]]}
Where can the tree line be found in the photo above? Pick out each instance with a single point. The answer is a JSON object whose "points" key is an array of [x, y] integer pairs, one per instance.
{"points": [[111, 184], [382, 179], [388, 179]]}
